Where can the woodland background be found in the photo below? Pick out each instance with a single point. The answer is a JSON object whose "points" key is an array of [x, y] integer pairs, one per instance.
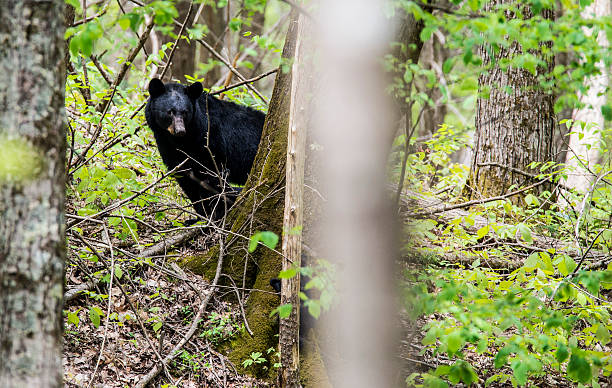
{"points": [[496, 168]]}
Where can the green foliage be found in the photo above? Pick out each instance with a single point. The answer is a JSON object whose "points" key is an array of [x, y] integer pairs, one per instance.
{"points": [[219, 328], [526, 24], [269, 239], [514, 319]]}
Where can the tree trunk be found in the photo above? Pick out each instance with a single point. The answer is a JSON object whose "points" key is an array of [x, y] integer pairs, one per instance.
{"points": [[183, 60], [32, 186], [584, 149], [513, 129], [214, 18], [432, 57], [259, 208], [357, 232], [294, 205]]}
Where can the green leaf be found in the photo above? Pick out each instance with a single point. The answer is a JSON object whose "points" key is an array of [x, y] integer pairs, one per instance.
{"points": [[288, 273], [532, 261], [502, 357], [562, 353], [525, 232], [73, 317], [532, 200], [285, 310], [448, 64], [520, 369], [602, 334], [434, 382], [269, 239], [158, 325], [606, 111], [482, 231], [454, 342], [94, 315], [579, 369], [314, 307]]}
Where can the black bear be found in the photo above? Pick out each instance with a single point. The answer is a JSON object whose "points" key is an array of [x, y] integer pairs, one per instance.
{"points": [[216, 139]]}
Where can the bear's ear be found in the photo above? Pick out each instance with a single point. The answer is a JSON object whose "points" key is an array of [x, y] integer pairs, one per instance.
{"points": [[156, 88], [194, 90]]}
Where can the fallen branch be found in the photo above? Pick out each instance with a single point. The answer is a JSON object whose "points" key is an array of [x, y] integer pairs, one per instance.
{"points": [[448, 214], [443, 208], [157, 249]]}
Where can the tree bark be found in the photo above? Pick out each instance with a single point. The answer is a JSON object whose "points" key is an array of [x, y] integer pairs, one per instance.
{"points": [[513, 129], [433, 55], [293, 216], [183, 61], [584, 149], [259, 208], [32, 189], [214, 18]]}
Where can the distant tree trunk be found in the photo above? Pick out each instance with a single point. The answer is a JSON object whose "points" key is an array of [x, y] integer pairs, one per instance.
{"points": [[32, 186], [407, 50], [259, 208], [214, 18], [512, 129], [183, 61], [584, 149], [432, 57]]}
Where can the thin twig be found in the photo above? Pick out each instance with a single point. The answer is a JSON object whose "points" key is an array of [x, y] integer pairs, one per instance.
{"points": [[128, 199], [299, 8], [244, 82], [106, 103], [176, 42], [127, 298], [108, 308], [232, 69], [192, 329]]}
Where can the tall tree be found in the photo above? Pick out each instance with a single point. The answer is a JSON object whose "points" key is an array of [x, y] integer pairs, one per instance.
{"points": [[32, 186], [259, 208], [584, 150], [514, 124]]}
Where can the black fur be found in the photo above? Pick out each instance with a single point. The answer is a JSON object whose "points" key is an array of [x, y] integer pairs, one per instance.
{"points": [[203, 125]]}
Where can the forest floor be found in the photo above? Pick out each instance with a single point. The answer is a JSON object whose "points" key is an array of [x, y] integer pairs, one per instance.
{"points": [[119, 351]]}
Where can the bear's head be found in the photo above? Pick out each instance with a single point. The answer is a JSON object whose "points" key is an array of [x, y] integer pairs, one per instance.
{"points": [[172, 106]]}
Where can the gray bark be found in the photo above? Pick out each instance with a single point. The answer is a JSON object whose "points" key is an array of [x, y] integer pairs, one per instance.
{"points": [[32, 182], [513, 129]]}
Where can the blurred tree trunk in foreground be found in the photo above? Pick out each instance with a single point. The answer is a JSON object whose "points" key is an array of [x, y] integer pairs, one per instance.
{"points": [[32, 189], [357, 232]]}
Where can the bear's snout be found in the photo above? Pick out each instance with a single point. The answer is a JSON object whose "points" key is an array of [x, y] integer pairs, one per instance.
{"points": [[177, 128]]}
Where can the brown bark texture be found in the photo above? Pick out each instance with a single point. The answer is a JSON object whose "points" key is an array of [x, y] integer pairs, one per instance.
{"points": [[514, 126], [293, 214], [259, 208], [214, 19], [32, 185], [183, 60]]}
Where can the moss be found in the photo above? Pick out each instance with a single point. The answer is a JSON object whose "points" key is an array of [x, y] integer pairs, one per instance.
{"points": [[260, 207]]}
